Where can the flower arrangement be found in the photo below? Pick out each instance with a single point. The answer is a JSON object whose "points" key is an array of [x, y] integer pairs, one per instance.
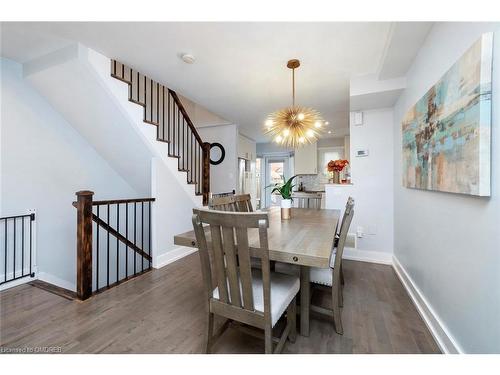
{"points": [[337, 165]]}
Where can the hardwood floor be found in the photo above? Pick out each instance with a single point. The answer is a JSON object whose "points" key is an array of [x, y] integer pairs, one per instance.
{"points": [[163, 312]]}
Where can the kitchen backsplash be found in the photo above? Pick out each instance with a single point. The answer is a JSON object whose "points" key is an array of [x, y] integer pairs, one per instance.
{"points": [[312, 182]]}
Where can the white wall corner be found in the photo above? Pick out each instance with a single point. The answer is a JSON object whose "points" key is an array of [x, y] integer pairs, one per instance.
{"points": [[173, 255], [443, 337]]}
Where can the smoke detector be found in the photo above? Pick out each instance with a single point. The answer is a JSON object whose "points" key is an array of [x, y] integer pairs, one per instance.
{"points": [[187, 58]]}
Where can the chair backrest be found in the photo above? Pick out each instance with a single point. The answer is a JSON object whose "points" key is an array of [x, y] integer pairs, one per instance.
{"points": [[233, 203], [350, 201], [337, 252], [227, 265], [229, 193]]}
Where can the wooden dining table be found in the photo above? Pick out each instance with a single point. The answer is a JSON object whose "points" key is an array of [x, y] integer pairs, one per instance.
{"points": [[304, 240]]}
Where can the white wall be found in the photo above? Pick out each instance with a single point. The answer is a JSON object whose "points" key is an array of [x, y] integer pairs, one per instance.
{"points": [[44, 162], [372, 179], [449, 244], [172, 212], [223, 177]]}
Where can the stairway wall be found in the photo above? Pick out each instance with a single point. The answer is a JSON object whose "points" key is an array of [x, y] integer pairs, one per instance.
{"points": [[44, 161]]}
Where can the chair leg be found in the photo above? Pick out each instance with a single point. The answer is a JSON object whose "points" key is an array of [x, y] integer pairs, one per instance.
{"points": [[209, 332], [268, 339], [336, 311], [291, 317], [341, 296], [342, 281]]}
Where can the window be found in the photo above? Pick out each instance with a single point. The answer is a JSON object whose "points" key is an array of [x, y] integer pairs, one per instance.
{"points": [[327, 154]]}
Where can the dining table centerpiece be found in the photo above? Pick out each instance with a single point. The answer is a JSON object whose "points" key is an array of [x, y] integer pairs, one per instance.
{"points": [[284, 189], [335, 167]]}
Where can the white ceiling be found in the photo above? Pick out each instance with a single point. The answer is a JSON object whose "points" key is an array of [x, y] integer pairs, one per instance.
{"points": [[240, 71]]}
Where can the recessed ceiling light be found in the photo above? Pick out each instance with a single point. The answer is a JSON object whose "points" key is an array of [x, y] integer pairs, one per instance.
{"points": [[327, 123], [329, 132], [187, 58]]}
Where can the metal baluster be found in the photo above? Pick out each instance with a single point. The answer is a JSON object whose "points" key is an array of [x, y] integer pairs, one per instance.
{"points": [[97, 252], [22, 246], [14, 270], [178, 131], [173, 129], [135, 234], [107, 246], [126, 236], [149, 233], [32, 217], [117, 242], [5, 263], [142, 235], [168, 120]]}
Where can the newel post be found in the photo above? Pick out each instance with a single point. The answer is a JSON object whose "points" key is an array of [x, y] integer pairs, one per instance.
{"points": [[84, 244], [206, 172]]}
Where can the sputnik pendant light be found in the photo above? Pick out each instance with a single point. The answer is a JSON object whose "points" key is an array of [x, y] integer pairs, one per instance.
{"points": [[294, 126]]}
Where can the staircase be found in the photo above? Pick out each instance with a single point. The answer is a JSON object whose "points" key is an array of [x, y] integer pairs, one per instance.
{"points": [[164, 110]]}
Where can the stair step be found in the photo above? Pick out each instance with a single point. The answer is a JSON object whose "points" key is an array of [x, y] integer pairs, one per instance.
{"points": [[174, 156], [151, 122], [183, 170], [162, 140], [136, 102]]}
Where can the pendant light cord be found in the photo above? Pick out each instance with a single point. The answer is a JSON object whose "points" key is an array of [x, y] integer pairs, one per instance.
{"points": [[293, 86]]}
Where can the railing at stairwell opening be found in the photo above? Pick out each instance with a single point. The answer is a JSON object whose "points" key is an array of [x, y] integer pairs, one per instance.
{"points": [[164, 109], [114, 241], [17, 258]]}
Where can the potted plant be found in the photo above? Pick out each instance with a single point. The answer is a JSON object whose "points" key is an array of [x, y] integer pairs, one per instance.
{"points": [[285, 190], [335, 167]]}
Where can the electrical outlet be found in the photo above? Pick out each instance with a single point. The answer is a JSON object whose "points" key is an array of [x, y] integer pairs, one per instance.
{"points": [[360, 232]]}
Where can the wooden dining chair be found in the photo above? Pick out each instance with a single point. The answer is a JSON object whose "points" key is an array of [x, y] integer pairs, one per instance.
{"points": [[331, 277], [234, 203], [234, 290], [350, 202]]}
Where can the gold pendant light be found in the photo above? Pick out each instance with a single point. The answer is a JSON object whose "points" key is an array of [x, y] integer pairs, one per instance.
{"points": [[294, 126]]}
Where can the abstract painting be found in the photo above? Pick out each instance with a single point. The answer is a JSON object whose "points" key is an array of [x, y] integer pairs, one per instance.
{"points": [[446, 134]]}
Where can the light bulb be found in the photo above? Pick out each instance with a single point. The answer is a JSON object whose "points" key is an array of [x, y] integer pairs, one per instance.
{"points": [[310, 133], [286, 133], [302, 139], [300, 116], [317, 124], [278, 139], [269, 123]]}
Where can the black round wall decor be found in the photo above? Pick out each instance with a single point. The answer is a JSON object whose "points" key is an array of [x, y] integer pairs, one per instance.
{"points": [[222, 153]]}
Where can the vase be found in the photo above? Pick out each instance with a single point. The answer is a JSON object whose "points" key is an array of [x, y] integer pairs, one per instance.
{"points": [[336, 177], [286, 209]]}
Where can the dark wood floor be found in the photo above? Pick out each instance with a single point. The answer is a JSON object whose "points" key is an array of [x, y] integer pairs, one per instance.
{"points": [[163, 312]]}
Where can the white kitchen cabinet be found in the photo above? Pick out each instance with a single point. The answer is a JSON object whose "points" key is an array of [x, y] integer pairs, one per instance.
{"points": [[306, 159]]}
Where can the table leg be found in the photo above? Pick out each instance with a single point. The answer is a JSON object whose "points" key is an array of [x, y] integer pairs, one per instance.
{"points": [[305, 300]]}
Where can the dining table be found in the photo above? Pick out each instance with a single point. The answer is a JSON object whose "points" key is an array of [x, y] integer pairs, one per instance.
{"points": [[305, 240]]}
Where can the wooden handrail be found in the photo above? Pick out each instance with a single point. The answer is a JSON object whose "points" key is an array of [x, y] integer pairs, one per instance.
{"points": [[164, 109], [85, 217], [186, 116]]}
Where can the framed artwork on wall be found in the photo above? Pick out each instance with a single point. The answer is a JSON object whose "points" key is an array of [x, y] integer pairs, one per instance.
{"points": [[446, 134]]}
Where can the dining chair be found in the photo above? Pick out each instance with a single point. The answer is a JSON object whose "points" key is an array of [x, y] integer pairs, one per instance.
{"points": [[235, 291], [350, 201], [234, 203], [329, 278]]}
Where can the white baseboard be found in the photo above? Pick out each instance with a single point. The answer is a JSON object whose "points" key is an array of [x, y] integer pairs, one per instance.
{"points": [[367, 256], [54, 280], [171, 256], [443, 338]]}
